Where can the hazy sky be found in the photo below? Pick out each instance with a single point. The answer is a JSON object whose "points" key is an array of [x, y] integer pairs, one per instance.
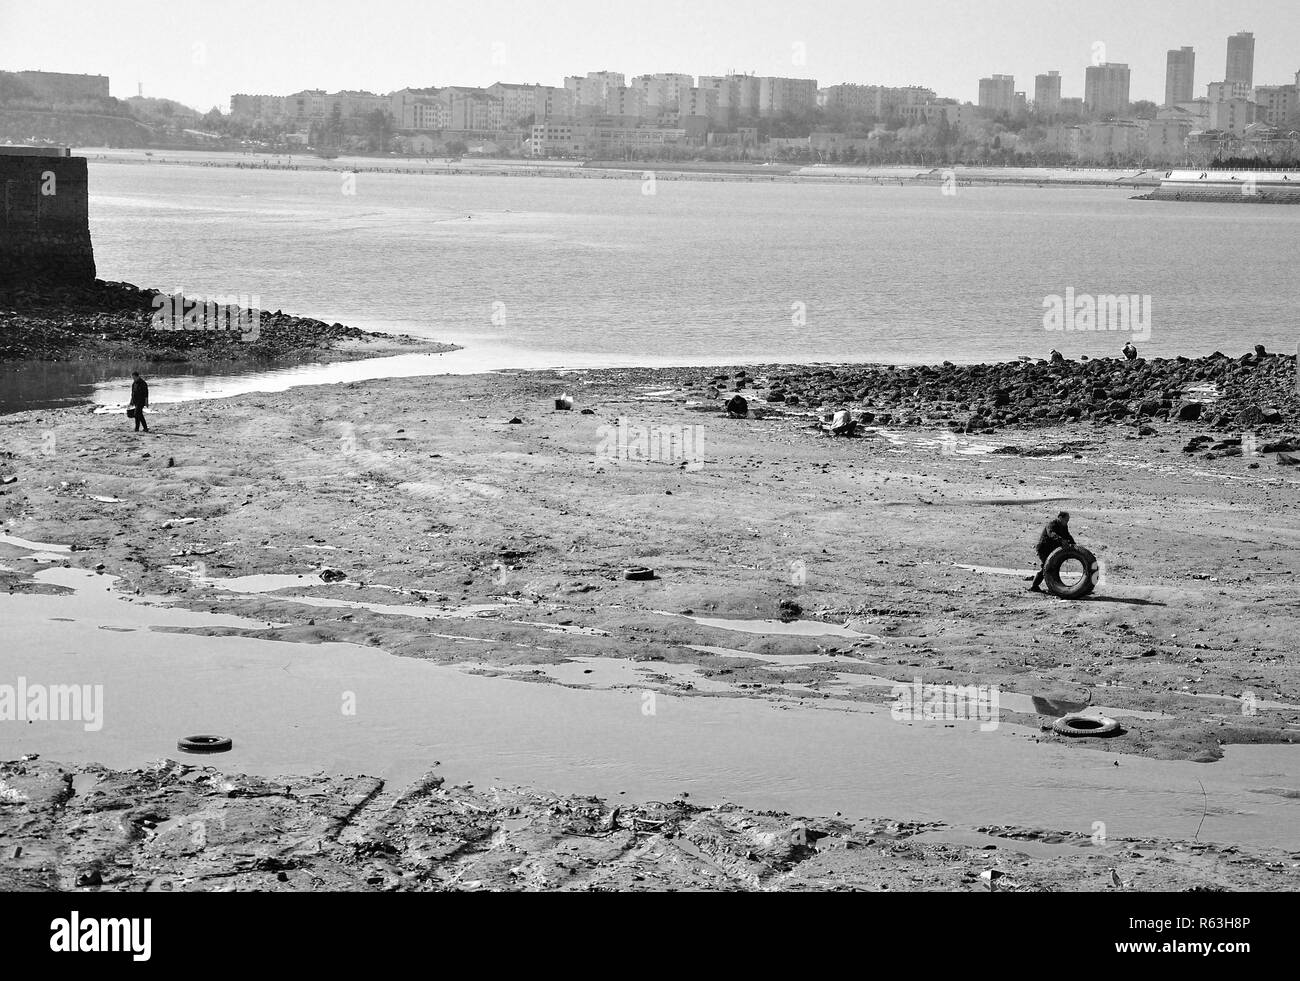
{"points": [[201, 51]]}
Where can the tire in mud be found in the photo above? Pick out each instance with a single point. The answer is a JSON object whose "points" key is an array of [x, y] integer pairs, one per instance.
{"points": [[1072, 591], [205, 744], [1084, 725]]}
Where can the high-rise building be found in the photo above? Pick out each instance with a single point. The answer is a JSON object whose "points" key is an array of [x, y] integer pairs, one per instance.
{"points": [[1180, 76], [590, 92], [663, 91], [777, 95], [737, 95], [1047, 93], [1241, 58], [1106, 89], [998, 93], [880, 101]]}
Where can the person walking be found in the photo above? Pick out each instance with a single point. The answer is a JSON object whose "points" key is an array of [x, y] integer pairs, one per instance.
{"points": [[139, 400]]}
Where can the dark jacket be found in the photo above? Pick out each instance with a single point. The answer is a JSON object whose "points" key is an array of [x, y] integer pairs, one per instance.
{"points": [[1054, 536], [140, 393]]}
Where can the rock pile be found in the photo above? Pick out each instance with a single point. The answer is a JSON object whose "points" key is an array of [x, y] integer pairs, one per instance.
{"points": [[117, 320], [1254, 390]]}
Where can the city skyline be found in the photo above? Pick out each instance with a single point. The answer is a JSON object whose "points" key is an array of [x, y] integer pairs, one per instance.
{"points": [[221, 53]]}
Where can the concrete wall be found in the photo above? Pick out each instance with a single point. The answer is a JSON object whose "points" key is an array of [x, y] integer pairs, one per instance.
{"points": [[1230, 187], [44, 220]]}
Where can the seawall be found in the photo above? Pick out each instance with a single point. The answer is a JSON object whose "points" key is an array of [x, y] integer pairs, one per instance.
{"points": [[44, 218]]}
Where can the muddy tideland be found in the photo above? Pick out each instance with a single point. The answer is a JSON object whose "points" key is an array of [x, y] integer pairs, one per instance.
{"points": [[830, 673]]}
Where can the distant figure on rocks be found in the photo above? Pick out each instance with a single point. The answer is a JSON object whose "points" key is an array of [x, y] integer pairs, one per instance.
{"points": [[139, 400], [1057, 357], [1130, 351], [1055, 535]]}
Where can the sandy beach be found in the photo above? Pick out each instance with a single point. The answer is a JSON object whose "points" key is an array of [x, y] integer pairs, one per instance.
{"points": [[911, 548]]}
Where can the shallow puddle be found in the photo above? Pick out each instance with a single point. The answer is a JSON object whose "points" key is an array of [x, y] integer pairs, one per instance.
{"points": [[791, 628], [341, 708]]}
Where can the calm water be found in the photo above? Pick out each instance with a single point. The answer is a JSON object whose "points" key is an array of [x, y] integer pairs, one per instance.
{"points": [[553, 272], [597, 270], [280, 703]]}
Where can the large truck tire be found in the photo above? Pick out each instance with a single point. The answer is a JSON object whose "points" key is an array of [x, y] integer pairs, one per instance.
{"points": [[1074, 590]]}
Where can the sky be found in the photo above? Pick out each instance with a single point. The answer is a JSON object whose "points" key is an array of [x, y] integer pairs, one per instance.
{"points": [[199, 52]]}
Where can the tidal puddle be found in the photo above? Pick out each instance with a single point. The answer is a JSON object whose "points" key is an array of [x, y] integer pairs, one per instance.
{"points": [[341, 708], [274, 583], [792, 628]]}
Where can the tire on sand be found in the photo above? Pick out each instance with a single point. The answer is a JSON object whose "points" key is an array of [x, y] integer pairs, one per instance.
{"points": [[205, 744], [1071, 591], [1085, 725]]}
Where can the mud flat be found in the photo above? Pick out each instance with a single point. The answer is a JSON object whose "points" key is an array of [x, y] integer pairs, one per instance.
{"points": [[495, 551]]}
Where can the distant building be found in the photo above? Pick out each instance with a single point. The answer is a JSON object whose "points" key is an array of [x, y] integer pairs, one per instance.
{"points": [[590, 91], [1047, 93], [737, 95], [419, 109], [1106, 90], [316, 105], [1232, 116], [1227, 91], [777, 95], [539, 101], [266, 109], [998, 93], [560, 138], [62, 87], [877, 101], [1195, 113], [663, 91], [1180, 76], [1241, 58], [1278, 105]]}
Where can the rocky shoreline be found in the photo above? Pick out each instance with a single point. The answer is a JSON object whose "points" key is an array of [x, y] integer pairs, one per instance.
{"points": [[1252, 390], [175, 827], [117, 321]]}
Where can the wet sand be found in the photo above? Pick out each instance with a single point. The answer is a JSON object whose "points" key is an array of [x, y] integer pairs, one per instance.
{"points": [[423, 487]]}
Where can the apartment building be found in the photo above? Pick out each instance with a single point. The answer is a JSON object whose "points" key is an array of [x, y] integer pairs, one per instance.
{"points": [[737, 95], [590, 90], [1047, 93], [1241, 59], [539, 101], [777, 95], [1180, 75], [267, 109], [1278, 105], [1106, 89], [663, 91], [998, 93], [877, 101]]}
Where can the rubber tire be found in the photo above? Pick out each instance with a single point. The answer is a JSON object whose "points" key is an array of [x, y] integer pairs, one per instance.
{"points": [[1068, 726], [638, 573], [205, 744], [1052, 572]]}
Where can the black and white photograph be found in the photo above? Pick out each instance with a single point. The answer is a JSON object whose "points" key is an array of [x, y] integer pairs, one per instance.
{"points": [[551, 446]]}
